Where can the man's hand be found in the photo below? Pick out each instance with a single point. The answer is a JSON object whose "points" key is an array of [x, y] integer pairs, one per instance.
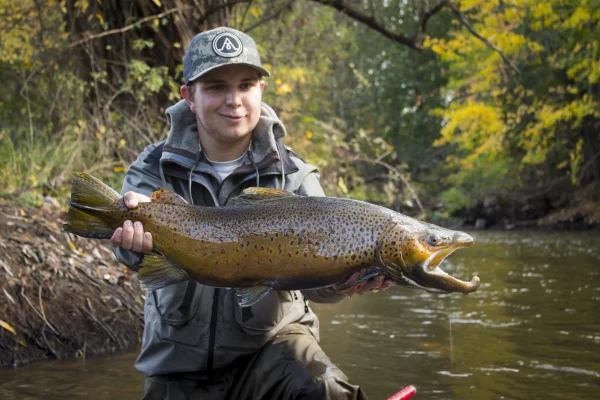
{"points": [[132, 236], [372, 285]]}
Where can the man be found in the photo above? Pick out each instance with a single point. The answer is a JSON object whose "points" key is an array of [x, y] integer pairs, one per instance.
{"points": [[198, 343]]}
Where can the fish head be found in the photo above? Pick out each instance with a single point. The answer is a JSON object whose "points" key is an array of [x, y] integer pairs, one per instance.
{"points": [[412, 254]]}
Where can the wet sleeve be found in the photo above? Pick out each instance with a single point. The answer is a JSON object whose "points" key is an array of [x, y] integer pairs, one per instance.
{"points": [[312, 187], [142, 177]]}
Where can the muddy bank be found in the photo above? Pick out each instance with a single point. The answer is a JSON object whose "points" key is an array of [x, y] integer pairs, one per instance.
{"points": [[61, 296]]}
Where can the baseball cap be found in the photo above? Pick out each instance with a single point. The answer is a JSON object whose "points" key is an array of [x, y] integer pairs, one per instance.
{"points": [[218, 47]]}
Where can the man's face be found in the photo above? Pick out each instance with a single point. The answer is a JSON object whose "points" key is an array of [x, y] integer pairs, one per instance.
{"points": [[226, 102]]}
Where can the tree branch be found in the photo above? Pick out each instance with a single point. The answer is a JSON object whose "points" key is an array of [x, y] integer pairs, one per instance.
{"points": [[427, 15], [371, 22], [400, 176], [269, 17], [465, 23], [128, 27]]}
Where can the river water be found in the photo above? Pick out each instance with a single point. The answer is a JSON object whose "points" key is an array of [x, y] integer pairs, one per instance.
{"points": [[532, 331]]}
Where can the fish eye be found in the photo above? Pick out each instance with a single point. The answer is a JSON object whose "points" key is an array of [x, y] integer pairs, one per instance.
{"points": [[433, 240]]}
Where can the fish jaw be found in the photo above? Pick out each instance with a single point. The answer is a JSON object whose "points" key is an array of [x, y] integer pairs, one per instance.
{"points": [[439, 281], [431, 277], [427, 275]]}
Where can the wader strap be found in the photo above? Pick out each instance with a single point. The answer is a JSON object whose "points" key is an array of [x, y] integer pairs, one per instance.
{"points": [[190, 289]]}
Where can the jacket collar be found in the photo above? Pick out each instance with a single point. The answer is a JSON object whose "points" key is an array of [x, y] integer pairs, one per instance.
{"points": [[182, 147]]}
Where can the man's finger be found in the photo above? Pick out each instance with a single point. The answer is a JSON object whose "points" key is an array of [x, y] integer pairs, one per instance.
{"points": [[147, 246], [127, 237], [355, 289], [115, 240], [138, 237], [130, 199]]}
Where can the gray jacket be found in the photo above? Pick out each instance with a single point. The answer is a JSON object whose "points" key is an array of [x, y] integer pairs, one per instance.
{"points": [[190, 327]]}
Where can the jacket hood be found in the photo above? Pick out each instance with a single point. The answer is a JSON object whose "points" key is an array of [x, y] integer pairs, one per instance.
{"points": [[183, 145]]}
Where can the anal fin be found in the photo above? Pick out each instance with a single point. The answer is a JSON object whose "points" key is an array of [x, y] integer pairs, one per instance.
{"points": [[156, 272], [249, 296]]}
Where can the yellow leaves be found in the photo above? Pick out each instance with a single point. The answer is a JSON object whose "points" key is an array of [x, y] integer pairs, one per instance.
{"points": [[33, 179], [475, 128], [342, 185], [157, 2], [284, 88], [72, 246], [289, 79], [576, 157], [309, 135], [7, 326], [255, 12], [579, 17], [119, 169], [121, 144]]}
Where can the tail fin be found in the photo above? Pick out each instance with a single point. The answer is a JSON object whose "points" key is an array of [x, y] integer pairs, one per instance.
{"points": [[90, 199]]}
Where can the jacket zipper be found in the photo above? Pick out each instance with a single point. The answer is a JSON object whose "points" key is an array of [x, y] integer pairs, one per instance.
{"points": [[213, 333]]}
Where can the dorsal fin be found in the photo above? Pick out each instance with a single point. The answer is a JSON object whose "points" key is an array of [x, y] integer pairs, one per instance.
{"points": [[256, 195], [166, 196]]}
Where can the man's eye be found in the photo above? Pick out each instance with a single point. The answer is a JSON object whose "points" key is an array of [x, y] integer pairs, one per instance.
{"points": [[216, 88], [245, 86]]}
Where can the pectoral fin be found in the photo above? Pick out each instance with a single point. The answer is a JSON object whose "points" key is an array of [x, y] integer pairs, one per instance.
{"points": [[372, 272], [156, 272], [247, 297]]}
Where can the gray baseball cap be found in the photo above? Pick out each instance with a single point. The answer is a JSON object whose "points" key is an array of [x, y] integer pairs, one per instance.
{"points": [[218, 47]]}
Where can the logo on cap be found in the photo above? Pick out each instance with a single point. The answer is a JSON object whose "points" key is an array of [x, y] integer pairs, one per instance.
{"points": [[227, 45]]}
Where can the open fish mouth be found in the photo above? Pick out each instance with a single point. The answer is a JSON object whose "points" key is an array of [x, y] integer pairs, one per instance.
{"points": [[431, 277]]}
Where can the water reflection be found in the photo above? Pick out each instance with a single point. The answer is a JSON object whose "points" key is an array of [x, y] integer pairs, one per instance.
{"points": [[531, 331]]}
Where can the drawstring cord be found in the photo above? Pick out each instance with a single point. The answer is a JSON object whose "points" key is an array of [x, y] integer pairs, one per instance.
{"points": [[190, 178], [282, 167], [256, 167]]}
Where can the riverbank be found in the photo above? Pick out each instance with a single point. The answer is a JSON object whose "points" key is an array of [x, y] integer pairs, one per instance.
{"points": [[61, 296]]}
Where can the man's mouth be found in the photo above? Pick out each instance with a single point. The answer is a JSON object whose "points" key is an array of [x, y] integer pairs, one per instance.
{"points": [[232, 117]]}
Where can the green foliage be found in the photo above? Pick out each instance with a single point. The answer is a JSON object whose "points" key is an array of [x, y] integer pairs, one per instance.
{"points": [[455, 199], [506, 129], [56, 118], [86, 89]]}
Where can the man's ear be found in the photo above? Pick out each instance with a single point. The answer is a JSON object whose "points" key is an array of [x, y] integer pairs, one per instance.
{"points": [[187, 95], [262, 85]]}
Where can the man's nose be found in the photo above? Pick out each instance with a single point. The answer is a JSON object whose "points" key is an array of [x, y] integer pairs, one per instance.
{"points": [[233, 98]]}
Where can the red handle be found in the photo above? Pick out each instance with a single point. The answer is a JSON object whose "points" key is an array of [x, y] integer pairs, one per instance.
{"points": [[404, 394]]}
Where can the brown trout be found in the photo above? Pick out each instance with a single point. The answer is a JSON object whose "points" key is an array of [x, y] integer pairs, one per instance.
{"points": [[269, 239]]}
